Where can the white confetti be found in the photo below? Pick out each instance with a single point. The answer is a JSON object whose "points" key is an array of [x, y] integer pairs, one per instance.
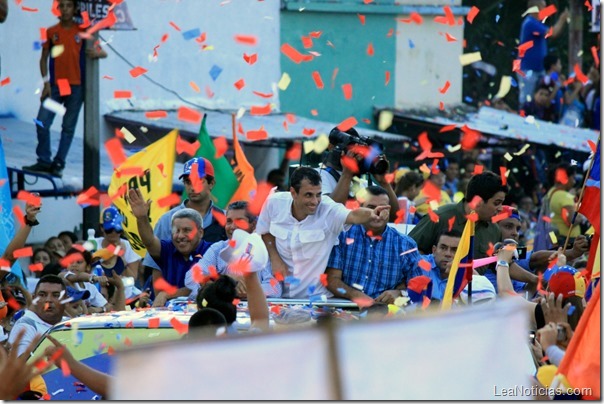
{"points": [[54, 106]]}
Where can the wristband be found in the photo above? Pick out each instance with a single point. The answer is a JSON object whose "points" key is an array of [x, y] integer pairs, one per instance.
{"points": [[30, 223]]}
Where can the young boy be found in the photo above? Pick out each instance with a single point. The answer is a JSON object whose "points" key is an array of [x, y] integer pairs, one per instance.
{"points": [[64, 85]]}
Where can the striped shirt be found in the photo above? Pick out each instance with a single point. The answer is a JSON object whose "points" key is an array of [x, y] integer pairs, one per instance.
{"points": [[374, 264]]}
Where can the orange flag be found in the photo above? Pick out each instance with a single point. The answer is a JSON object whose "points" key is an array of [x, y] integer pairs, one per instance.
{"points": [[243, 171], [581, 363]]}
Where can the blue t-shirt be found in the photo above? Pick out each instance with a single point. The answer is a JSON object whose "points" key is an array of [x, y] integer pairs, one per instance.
{"points": [[533, 30], [438, 284], [174, 265]]}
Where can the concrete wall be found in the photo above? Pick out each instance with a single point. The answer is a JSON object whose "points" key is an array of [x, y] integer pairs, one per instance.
{"points": [[178, 63]]}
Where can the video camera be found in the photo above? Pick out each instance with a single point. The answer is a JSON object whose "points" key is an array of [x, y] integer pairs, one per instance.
{"points": [[374, 162]]}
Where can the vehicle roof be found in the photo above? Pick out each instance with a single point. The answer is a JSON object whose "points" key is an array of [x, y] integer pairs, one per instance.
{"points": [[124, 319]]}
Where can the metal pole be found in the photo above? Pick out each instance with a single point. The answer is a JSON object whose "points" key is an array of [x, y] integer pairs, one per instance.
{"points": [[91, 174], [575, 33]]}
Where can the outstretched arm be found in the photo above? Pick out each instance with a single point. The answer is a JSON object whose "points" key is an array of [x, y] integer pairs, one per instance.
{"points": [[140, 210], [20, 238]]}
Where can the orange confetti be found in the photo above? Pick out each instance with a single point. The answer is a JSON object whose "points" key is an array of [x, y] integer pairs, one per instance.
{"points": [[347, 90], [594, 53], [115, 151], [176, 27], [5, 82], [156, 114], [350, 163], [307, 42], [447, 19], [347, 123], [39, 267], [122, 94], [137, 71], [160, 284], [23, 252], [169, 201], [425, 265], [29, 9], [260, 134], [294, 152], [184, 146], [250, 59], [64, 87], [445, 88], [546, 12], [318, 80], [588, 5], [194, 86], [387, 78], [522, 48], [370, 50], [153, 322], [450, 38], [308, 131], [361, 19], [451, 222], [472, 217], [263, 95], [433, 216], [30, 198], [426, 302], [561, 176], [500, 217], [249, 40], [472, 14], [579, 74], [504, 179], [189, 115], [239, 84], [293, 54], [221, 145], [469, 138], [260, 110], [413, 17], [478, 169], [180, 328]]}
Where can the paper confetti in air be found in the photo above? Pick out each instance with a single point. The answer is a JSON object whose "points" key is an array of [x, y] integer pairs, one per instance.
{"points": [[128, 136], [385, 120], [191, 34], [137, 71], [284, 81], [504, 86], [469, 58], [56, 51], [54, 106], [215, 72]]}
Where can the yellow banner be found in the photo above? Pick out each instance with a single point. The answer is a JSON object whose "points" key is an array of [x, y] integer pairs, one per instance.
{"points": [[151, 171]]}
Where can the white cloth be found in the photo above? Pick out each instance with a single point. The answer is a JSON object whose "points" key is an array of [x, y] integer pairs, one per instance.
{"points": [[304, 246], [96, 299], [328, 182], [33, 326]]}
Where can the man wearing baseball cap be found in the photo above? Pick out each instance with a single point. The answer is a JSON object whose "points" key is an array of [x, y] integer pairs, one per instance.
{"points": [[198, 184]]}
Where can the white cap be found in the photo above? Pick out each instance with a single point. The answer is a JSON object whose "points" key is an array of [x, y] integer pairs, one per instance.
{"points": [[248, 247], [483, 290]]}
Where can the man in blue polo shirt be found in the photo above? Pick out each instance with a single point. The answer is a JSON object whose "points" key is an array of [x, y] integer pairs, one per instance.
{"points": [[372, 261], [440, 261], [174, 256], [199, 199]]}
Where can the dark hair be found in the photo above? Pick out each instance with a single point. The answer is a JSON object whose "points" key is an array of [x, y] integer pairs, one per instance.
{"points": [[376, 191], [219, 295], [302, 173], [542, 86], [52, 268], [448, 233], [274, 173], [46, 250], [408, 180], [485, 185], [55, 279], [550, 60], [206, 316], [243, 205], [72, 236], [568, 169], [47, 242], [85, 254]]}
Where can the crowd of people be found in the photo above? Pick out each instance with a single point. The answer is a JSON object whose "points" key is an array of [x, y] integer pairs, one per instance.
{"points": [[314, 248]]}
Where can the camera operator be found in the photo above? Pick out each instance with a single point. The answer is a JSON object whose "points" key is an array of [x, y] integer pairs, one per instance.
{"points": [[337, 178]]}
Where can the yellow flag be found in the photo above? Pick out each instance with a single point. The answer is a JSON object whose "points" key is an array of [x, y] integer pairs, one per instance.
{"points": [[151, 171], [456, 281]]}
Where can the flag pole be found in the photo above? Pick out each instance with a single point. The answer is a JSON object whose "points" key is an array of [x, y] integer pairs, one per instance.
{"points": [[578, 204], [470, 269]]}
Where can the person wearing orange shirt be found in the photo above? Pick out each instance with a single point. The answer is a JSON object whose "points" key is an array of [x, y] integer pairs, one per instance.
{"points": [[64, 86]]}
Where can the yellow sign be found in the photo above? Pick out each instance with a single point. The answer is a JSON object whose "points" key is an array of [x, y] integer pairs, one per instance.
{"points": [[149, 170]]}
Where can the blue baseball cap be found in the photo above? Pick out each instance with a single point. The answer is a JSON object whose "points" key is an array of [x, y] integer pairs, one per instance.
{"points": [[77, 295], [112, 219], [204, 167]]}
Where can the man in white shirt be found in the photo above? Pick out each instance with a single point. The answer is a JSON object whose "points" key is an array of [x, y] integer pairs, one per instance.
{"points": [[300, 228], [46, 311]]}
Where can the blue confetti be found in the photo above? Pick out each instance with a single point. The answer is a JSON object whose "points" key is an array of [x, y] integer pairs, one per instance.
{"points": [[37, 45], [79, 338], [514, 82], [411, 44], [292, 281], [497, 18], [191, 34], [39, 123], [342, 291], [215, 72], [468, 99], [571, 310], [311, 289], [478, 73]]}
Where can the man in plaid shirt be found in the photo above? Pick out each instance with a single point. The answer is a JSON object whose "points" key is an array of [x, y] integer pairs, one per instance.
{"points": [[372, 261]]}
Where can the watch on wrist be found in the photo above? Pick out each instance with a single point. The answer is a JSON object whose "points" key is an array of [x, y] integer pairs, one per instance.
{"points": [[503, 263], [30, 223]]}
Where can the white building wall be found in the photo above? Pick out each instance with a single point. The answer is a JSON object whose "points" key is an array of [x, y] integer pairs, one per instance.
{"points": [[424, 65], [178, 63]]}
